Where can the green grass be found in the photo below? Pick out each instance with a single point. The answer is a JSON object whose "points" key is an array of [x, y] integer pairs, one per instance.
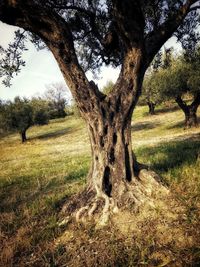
{"points": [[53, 164]]}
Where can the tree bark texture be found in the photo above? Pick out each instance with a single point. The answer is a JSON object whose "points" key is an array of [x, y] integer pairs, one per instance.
{"points": [[191, 118], [190, 111]]}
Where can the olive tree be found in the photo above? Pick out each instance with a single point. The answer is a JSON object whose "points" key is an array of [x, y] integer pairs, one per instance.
{"points": [[151, 93], [176, 82], [84, 35], [56, 95], [20, 115]]}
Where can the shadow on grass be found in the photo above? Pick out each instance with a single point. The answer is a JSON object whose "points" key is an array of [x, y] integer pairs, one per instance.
{"points": [[60, 120], [22, 190], [181, 124], [162, 110], [54, 134], [173, 154], [145, 125]]}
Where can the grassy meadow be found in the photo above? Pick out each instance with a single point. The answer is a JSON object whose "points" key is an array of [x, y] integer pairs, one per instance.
{"points": [[36, 177]]}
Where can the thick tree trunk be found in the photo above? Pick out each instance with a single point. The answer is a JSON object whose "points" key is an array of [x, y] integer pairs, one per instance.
{"points": [[190, 111], [191, 118], [116, 180], [151, 106], [23, 136], [113, 162]]}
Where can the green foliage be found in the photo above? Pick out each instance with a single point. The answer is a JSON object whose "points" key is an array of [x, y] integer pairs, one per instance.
{"points": [[172, 82], [176, 77], [11, 58], [17, 115], [40, 111], [151, 94], [194, 73], [21, 114], [57, 97], [34, 182], [108, 87]]}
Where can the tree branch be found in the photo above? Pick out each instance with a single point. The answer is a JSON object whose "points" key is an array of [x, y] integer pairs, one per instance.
{"points": [[156, 38], [181, 104], [56, 34]]}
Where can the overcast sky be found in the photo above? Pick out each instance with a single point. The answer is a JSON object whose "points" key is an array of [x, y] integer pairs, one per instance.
{"points": [[41, 69]]}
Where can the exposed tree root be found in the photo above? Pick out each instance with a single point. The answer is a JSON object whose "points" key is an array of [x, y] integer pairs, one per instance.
{"points": [[92, 205]]}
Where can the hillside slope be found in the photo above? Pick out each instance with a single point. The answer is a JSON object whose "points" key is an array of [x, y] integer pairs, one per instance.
{"points": [[53, 164]]}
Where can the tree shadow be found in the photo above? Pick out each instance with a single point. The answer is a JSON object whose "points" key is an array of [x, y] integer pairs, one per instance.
{"points": [[54, 134], [162, 110], [181, 124], [173, 154], [145, 125], [19, 188]]}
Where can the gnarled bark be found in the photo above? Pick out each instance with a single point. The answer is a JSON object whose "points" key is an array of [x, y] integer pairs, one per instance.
{"points": [[190, 111], [116, 180]]}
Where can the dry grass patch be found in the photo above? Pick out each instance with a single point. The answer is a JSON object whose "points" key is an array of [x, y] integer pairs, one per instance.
{"points": [[36, 177]]}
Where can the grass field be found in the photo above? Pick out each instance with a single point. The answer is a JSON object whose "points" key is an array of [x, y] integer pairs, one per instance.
{"points": [[36, 176]]}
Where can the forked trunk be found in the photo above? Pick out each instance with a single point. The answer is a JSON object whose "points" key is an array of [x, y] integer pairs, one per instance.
{"points": [[190, 111], [115, 179]]}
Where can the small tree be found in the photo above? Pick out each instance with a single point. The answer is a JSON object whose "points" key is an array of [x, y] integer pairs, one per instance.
{"points": [[151, 93], [40, 111], [57, 98], [177, 81], [151, 96], [21, 115]]}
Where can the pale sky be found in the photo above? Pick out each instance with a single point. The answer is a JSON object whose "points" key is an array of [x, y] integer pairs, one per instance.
{"points": [[41, 69]]}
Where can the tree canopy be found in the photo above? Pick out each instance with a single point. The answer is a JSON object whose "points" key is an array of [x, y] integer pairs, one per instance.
{"points": [[56, 95], [21, 114], [95, 29], [179, 78]]}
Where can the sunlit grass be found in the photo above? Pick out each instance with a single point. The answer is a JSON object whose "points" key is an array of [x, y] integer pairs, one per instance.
{"points": [[53, 165]]}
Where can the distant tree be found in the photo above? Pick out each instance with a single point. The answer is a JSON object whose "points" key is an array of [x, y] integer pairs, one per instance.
{"points": [[177, 81], [108, 87], [1, 116], [74, 110], [40, 110], [20, 115], [151, 93], [56, 94], [150, 96]]}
